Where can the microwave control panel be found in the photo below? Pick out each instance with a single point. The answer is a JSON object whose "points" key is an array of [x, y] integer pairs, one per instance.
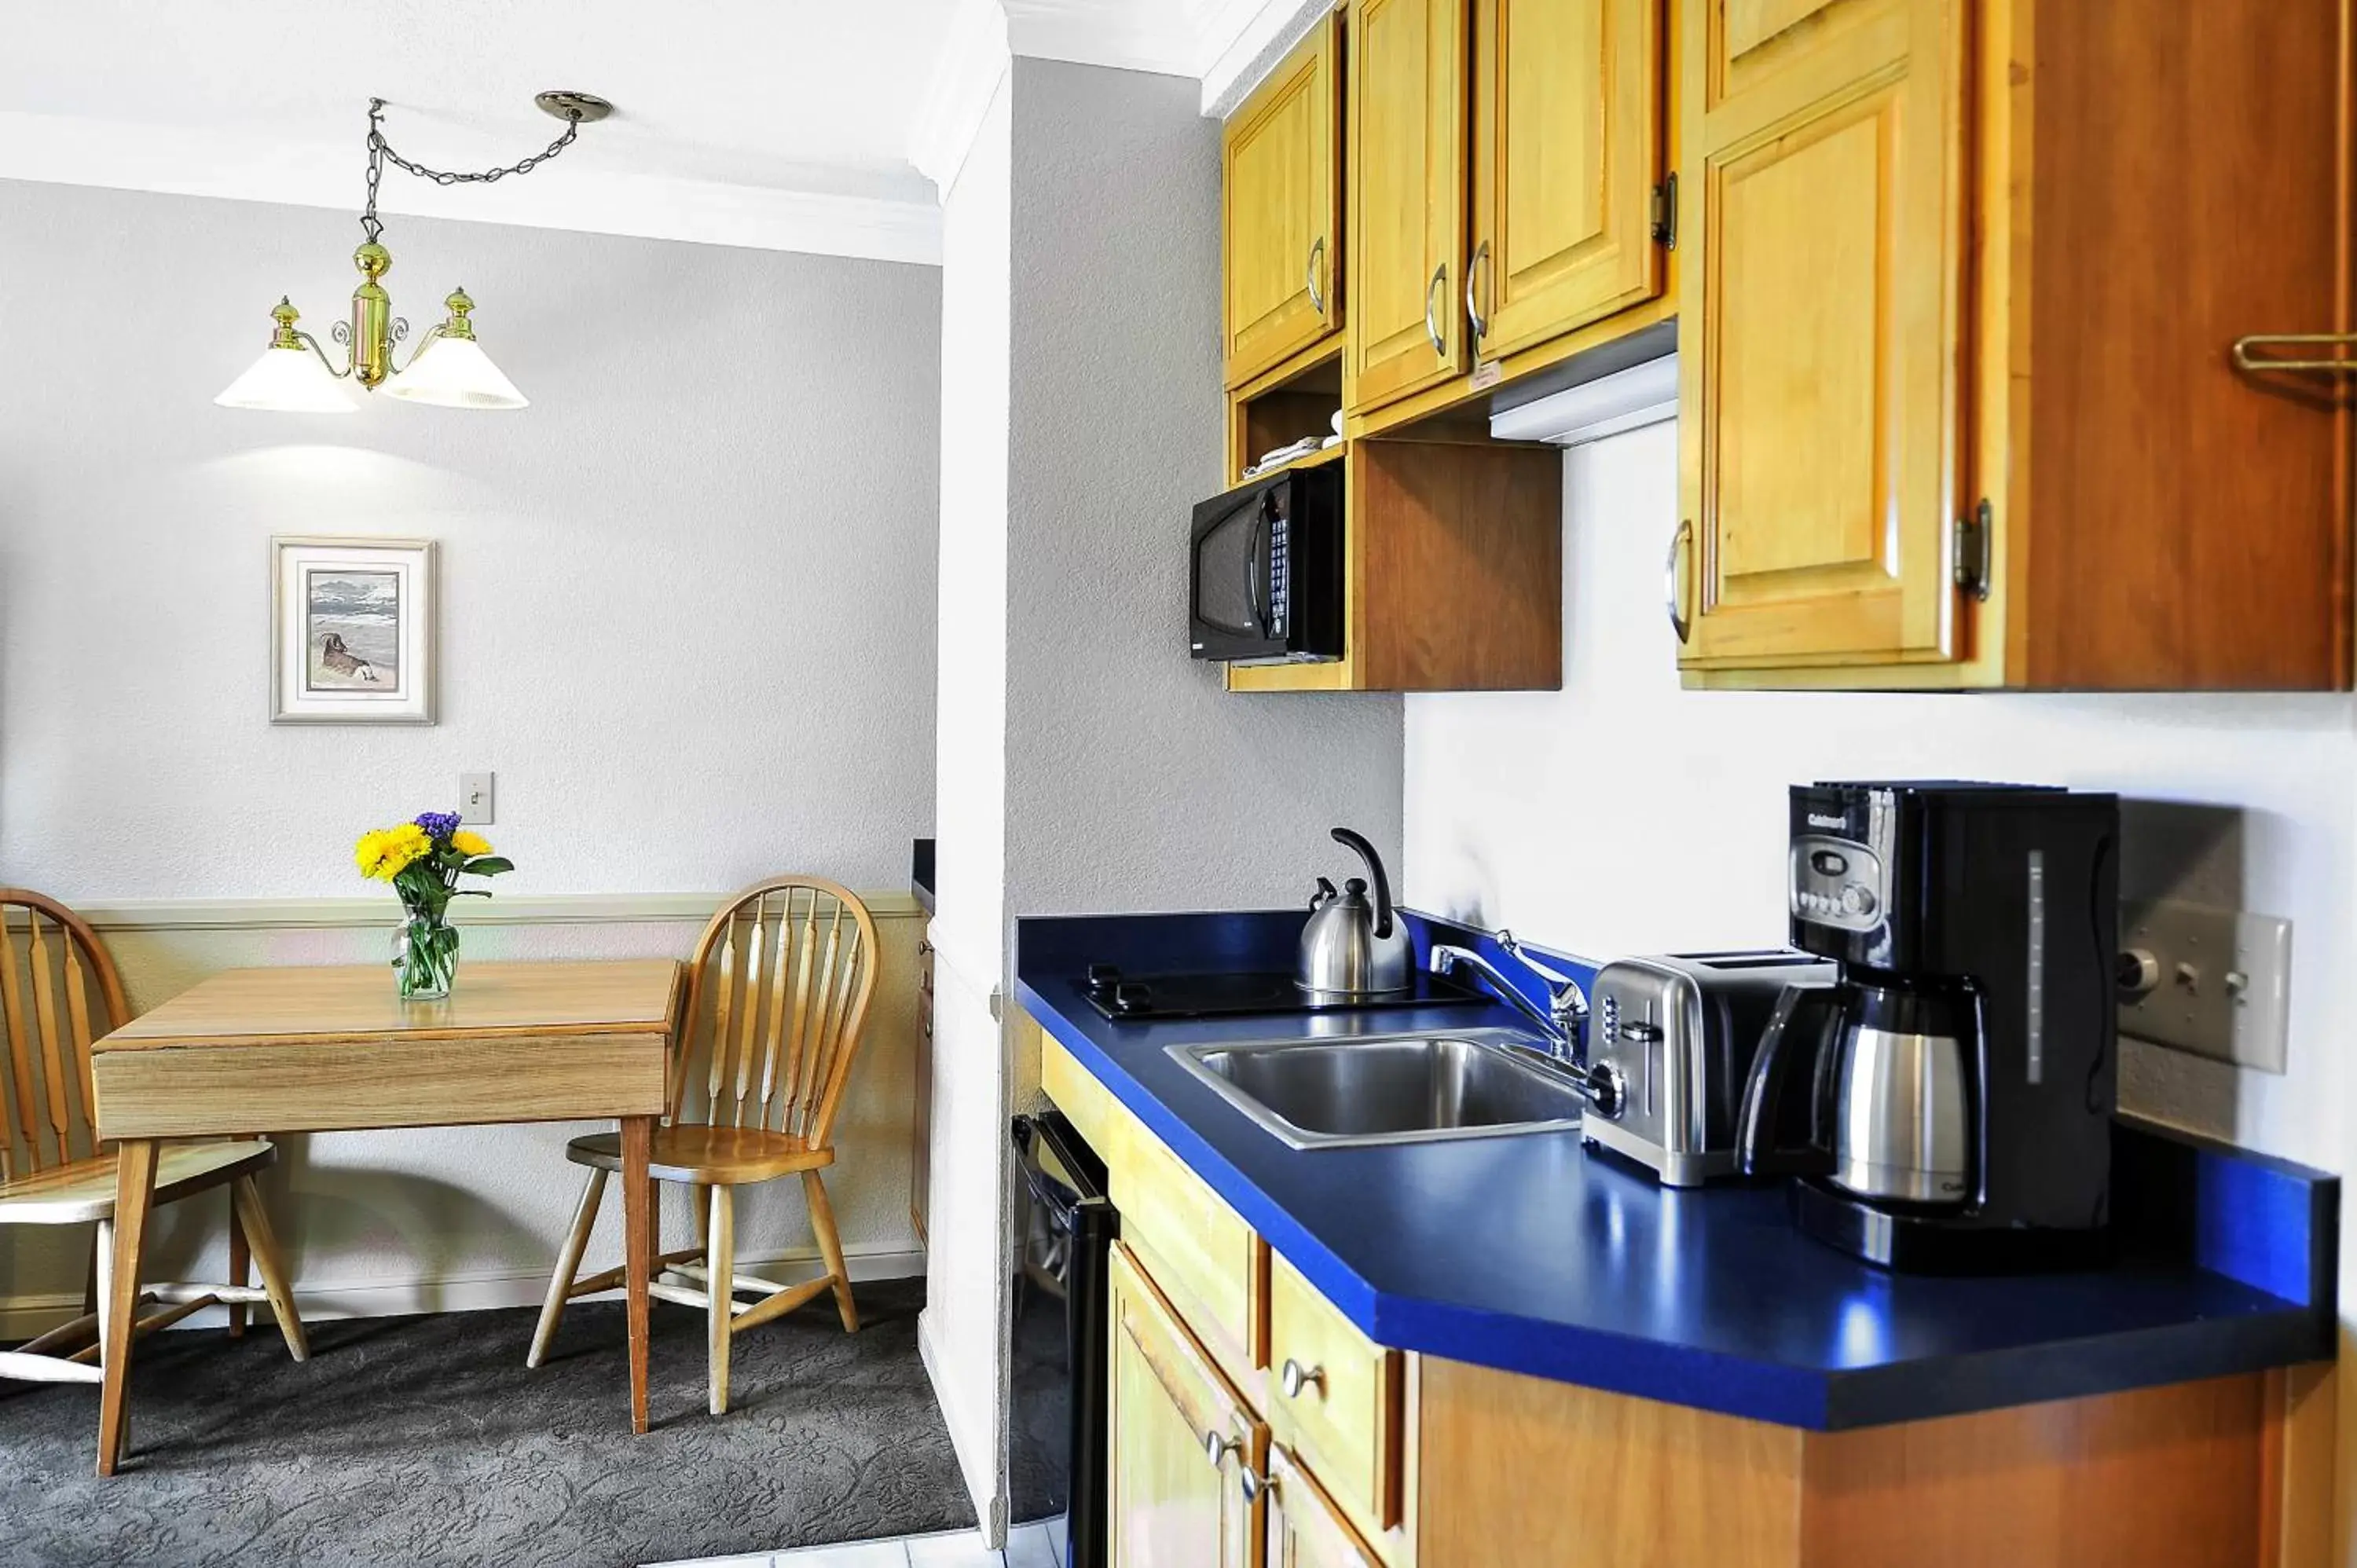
{"points": [[1280, 568]]}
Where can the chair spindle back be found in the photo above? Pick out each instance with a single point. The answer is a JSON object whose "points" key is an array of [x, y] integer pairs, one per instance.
{"points": [[59, 992], [783, 973]]}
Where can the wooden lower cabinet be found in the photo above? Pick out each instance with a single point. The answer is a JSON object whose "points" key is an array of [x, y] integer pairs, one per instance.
{"points": [[1182, 1442], [1305, 1529]]}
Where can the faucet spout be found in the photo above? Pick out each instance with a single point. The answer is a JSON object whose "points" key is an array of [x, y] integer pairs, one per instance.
{"points": [[1559, 1021]]}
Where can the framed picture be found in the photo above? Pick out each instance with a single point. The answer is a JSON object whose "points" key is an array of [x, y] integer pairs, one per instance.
{"points": [[352, 630]]}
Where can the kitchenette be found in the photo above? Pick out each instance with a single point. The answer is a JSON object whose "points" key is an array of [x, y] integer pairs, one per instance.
{"points": [[1472, 1252]]}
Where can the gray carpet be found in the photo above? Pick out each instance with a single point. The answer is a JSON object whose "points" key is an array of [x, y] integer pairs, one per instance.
{"points": [[425, 1441]]}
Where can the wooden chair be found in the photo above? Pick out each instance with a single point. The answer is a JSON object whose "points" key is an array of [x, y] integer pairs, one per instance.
{"points": [[777, 990], [58, 990]]}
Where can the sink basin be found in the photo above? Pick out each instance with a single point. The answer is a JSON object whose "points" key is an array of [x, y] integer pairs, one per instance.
{"points": [[1398, 1088]]}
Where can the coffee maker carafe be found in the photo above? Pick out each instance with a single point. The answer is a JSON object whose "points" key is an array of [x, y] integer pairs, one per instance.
{"points": [[1944, 1104]]}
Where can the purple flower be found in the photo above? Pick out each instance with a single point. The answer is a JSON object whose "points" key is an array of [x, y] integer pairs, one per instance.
{"points": [[438, 825]]}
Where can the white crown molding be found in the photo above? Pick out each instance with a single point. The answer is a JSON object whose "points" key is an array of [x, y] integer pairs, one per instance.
{"points": [[185, 161], [1243, 40], [1162, 37], [973, 61]]}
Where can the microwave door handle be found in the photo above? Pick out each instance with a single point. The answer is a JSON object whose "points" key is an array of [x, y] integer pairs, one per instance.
{"points": [[1257, 568]]}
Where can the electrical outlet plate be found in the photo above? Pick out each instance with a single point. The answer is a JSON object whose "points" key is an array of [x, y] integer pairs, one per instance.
{"points": [[2221, 982], [475, 799]]}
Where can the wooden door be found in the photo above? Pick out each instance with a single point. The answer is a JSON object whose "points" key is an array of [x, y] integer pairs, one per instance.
{"points": [[1305, 1529], [1283, 221], [1566, 154], [1823, 242], [1181, 1441], [1407, 174]]}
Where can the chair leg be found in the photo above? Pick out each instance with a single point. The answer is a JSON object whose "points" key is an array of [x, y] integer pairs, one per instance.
{"points": [[100, 1238], [262, 1242], [102, 1276], [239, 1260], [720, 1269], [830, 1247], [701, 1202], [568, 1265]]}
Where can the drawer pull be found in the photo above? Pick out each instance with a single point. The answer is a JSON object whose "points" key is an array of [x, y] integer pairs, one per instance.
{"points": [[1218, 1446], [1252, 1483], [1297, 1378]]}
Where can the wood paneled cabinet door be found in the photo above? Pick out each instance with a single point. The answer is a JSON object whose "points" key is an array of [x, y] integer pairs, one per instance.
{"points": [[1406, 174], [1305, 1529], [1283, 212], [1182, 1442], [1820, 330], [1566, 157]]}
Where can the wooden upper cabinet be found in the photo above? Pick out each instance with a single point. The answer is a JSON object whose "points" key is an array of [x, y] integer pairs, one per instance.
{"points": [[1406, 166], [1283, 214], [1962, 286], [1176, 1491], [1567, 155], [1820, 335]]}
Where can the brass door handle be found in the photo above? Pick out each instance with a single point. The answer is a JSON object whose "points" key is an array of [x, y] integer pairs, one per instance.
{"points": [[1432, 326], [1317, 258], [1473, 311], [1297, 1378], [1678, 622], [2245, 360]]}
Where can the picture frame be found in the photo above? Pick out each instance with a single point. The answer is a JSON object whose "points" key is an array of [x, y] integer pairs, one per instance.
{"points": [[352, 630]]}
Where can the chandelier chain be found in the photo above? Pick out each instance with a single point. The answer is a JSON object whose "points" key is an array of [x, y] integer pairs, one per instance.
{"points": [[380, 152]]}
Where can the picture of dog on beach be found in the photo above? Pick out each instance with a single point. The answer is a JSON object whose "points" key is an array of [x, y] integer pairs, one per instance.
{"points": [[351, 629]]}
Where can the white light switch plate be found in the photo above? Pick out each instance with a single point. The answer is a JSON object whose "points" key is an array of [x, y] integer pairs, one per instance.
{"points": [[2223, 981], [475, 799]]}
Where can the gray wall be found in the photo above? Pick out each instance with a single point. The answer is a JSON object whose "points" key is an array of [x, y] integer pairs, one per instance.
{"points": [[1135, 781], [687, 597]]}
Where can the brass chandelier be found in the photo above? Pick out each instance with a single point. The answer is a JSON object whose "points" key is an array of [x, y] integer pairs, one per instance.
{"points": [[448, 367]]}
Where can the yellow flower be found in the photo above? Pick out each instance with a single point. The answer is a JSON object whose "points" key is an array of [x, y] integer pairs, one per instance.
{"points": [[468, 844], [385, 853]]}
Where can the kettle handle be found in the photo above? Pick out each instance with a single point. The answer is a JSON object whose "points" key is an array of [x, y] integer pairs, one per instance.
{"points": [[1772, 1080], [1366, 852]]}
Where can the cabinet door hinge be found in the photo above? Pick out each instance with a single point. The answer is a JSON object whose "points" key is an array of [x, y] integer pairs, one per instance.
{"points": [[1972, 550], [1665, 213]]}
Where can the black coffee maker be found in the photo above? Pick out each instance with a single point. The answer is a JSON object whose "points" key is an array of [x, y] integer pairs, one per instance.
{"points": [[1945, 1105]]}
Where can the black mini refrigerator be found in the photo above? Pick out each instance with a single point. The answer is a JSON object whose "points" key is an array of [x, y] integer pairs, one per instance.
{"points": [[1057, 1411]]}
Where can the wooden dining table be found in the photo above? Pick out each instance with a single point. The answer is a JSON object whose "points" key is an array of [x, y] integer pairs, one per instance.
{"points": [[260, 1051]]}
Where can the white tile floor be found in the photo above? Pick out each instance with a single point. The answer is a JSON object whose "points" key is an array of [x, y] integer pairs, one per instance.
{"points": [[1028, 1546]]}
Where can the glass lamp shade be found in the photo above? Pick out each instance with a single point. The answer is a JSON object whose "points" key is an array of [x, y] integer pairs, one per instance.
{"points": [[455, 373], [287, 381]]}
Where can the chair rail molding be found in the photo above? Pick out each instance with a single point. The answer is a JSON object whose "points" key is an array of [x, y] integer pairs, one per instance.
{"points": [[541, 910]]}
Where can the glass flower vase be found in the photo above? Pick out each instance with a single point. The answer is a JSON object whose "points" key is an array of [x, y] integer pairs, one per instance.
{"points": [[424, 955]]}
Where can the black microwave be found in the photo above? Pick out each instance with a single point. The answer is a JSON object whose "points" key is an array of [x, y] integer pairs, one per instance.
{"points": [[1264, 570]]}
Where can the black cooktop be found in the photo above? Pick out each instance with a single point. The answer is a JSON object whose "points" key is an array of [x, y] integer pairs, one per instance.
{"points": [[1121, 997]]}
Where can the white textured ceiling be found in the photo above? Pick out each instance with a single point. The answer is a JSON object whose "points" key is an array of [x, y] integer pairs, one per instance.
{"points": [[784, 123], [813, 95]]}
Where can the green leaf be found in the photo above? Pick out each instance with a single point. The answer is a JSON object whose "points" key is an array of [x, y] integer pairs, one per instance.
{"points": [[488, 865]]}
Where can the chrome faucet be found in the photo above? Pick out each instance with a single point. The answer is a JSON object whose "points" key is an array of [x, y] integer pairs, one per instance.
{"points": [[1567, 1005]]}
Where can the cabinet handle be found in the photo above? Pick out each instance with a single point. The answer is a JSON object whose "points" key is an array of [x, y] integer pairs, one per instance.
{"points": [[2245, 359], [1316, 267], [1252, 1483], [1473, 311], [1295, 1379], [1677, 600], [1218, 1446], [1432, 326]]}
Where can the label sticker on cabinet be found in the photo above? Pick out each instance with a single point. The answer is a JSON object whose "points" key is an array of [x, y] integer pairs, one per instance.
{"points": [[1489, 375]]}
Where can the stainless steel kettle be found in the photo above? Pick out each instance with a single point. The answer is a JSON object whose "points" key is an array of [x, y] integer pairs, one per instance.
{"points": [[1351, 947]]}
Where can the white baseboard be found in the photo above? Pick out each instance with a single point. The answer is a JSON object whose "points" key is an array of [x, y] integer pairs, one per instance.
{"points": [[22, 1317]]}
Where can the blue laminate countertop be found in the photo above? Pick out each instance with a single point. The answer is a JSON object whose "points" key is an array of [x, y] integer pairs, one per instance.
{"points": [[1530, 1254]]}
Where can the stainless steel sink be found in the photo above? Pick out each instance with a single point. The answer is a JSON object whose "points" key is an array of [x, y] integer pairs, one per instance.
{"points": [[1390, 1089]]}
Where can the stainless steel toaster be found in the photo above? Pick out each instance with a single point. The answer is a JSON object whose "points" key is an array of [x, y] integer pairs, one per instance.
{"points": [[1670, 1043]]}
